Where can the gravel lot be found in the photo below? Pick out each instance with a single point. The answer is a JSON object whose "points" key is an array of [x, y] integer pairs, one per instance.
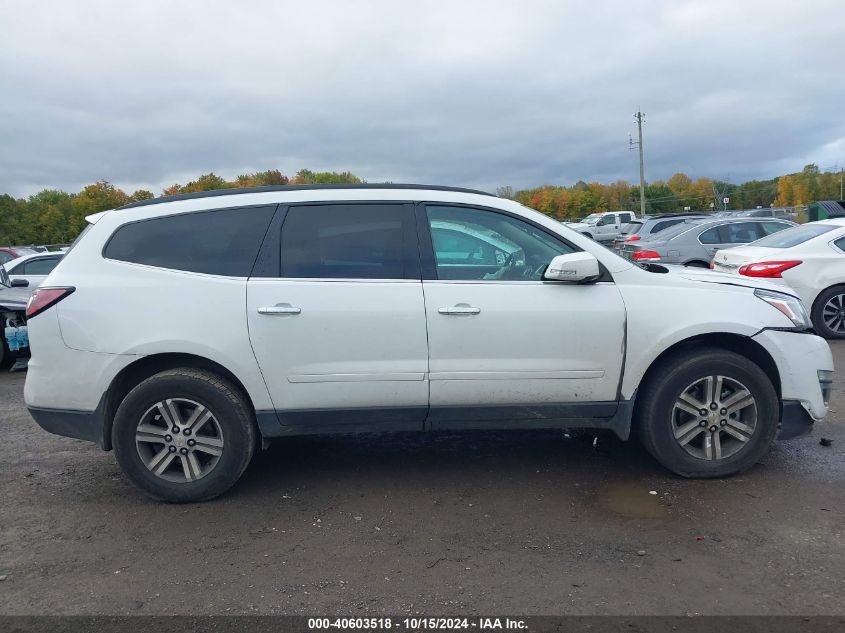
{"points": [[530, 523]]}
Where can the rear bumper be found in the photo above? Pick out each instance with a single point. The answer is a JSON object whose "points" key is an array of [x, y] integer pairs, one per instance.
{"points": [[795, 421], [80, 425]]}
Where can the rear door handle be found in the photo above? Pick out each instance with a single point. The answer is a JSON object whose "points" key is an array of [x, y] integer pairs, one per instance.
{"points": [[279, 309], [460, 309]]}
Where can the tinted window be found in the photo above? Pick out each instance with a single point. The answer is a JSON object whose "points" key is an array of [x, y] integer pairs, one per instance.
{"points": [[5, 257], [37, 266], [495, 246], [222, 242], [352, 241], [840, 244], [740, 232], [795, 235], [665, 224], [676, 229], [626, 217]]}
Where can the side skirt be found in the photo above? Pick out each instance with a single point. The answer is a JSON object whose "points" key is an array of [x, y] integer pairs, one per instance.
{"points": [[614, 416]]}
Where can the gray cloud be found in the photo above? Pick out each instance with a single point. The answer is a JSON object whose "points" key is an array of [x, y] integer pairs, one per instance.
{"points": [[465, 93]]}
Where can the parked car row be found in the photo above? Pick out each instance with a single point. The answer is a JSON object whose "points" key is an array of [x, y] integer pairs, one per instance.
{"points": [[18, 278], [14, 339], [694, 241], [809, 259], [645, 228]]}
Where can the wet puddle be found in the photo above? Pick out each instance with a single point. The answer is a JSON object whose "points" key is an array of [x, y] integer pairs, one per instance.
{"points": [[633, 501]]}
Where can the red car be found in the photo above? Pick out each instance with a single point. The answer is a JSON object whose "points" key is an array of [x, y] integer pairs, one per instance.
{"points": [[8, 253]]}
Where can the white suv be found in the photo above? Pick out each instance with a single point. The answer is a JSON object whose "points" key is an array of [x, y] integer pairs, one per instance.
{"points": [[185, 332]]}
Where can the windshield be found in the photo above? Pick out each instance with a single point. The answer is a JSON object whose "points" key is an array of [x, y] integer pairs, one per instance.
{"points": [[795, 235], [4, 277], [25, 251], [592, 218], [633, 227]]}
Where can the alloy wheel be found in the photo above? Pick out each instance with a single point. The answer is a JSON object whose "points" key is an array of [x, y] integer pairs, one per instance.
{"points": [[833, 313], [179, 440], [714, 417]]}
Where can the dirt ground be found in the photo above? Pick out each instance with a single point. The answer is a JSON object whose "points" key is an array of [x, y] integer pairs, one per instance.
{"points": [[493, 523]]}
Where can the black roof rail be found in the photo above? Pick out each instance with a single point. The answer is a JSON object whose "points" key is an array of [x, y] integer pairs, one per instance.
{"points": [[241, 190]]}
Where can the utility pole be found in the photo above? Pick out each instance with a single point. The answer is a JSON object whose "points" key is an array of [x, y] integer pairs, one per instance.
{"points": [[639, 116]]}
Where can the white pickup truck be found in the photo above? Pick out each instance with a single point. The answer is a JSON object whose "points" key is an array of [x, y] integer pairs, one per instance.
{"points": [[603, 227]]}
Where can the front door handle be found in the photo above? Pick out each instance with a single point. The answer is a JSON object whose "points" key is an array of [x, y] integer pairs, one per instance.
{"points": [[279, 309], [462, 309]]}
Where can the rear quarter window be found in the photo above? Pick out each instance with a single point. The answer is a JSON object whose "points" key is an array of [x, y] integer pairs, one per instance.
{"points": [[221, 242]]}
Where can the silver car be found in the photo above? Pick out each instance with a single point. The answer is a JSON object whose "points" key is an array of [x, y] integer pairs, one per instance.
{"points": [[694, 242]]}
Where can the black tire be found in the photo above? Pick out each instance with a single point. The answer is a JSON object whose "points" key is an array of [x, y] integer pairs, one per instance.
{"points": [[235, 423], [817, 315], [655, 410]]}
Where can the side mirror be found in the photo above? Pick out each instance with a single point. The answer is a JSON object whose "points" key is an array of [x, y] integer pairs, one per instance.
{"points": [[573, 267], [20, 283]]}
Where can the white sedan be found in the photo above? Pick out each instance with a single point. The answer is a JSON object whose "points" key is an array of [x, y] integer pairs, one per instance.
{"points": [[29, 271], [809, 258]]}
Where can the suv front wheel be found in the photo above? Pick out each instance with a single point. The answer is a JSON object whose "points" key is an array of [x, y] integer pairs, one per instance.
{"points": [[184, 435], [707, 413]]}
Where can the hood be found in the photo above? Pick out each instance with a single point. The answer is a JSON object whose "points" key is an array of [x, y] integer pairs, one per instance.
{"points": [[578, 226], [14, 298], [709, 276]]}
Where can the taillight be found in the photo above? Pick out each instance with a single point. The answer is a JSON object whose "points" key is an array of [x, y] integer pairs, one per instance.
{"points": [[43, 298], [771, 270], [712, 263], [633, 238], [646, 256]]}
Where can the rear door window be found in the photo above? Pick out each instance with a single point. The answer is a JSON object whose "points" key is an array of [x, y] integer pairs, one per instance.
{"points": [[740, 232], [222, 242], [350, 241]]}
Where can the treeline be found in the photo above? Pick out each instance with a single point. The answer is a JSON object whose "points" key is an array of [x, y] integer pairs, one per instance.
{"points": [[55, 217], [681, 192]]}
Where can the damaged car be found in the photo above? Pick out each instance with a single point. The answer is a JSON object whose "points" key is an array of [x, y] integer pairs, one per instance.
{"points": [[14, 339]]}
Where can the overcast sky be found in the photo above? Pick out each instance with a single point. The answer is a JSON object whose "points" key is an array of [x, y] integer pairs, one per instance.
{"points": [[146, 93]]}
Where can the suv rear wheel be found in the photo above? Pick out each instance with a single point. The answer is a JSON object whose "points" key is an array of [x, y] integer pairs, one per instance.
{"points": [[184, 435], [708, 413]]}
